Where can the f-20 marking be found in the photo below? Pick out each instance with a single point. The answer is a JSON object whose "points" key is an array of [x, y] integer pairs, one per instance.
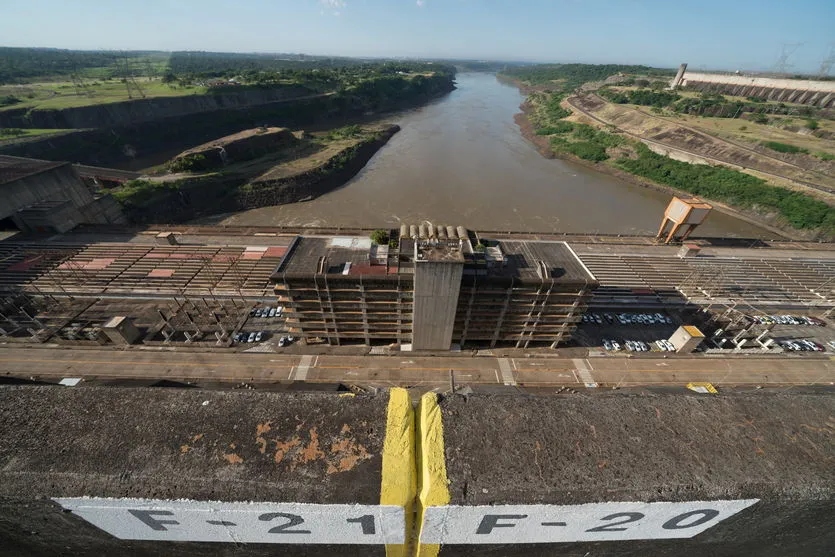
{"points": [[569, 523]]}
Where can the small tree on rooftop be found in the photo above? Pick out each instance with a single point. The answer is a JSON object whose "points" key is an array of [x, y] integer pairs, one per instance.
{"points": [[380, 236]]}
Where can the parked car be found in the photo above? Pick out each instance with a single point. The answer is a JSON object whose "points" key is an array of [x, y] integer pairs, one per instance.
{"points": [[259, 335], [282, 341], [272, 312], [251, 337]]}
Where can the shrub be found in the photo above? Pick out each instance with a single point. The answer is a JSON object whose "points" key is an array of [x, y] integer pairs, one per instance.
{"points": [[760, 118], [560, 126], [587, 150], [9, 100], [825, 156], [380, 237], [783, 147], [11, 132], [733, 187], [346, 132], [812, 124]]}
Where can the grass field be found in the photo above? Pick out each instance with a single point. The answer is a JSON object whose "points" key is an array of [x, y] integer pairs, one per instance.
{"points": [[56, 95], [29, 132]]}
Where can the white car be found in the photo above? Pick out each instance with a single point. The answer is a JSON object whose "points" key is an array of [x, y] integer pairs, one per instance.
{"points": [[272, 312], [251, 337]]}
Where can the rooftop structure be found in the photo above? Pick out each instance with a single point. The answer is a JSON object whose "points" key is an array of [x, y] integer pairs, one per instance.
{"points": [[343, 288]]}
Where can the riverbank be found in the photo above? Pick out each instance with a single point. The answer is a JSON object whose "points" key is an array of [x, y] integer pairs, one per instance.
{"points": [[313, 168], [543, 146], [144, 144], [552, 146]]}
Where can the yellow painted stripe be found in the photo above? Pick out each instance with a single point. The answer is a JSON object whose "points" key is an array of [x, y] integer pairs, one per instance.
{"points": [[432, 479], [399, 477]]}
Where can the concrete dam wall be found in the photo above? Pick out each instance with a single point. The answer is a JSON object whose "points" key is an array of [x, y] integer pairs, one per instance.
{"points": [[182, 472], [814, 93]]}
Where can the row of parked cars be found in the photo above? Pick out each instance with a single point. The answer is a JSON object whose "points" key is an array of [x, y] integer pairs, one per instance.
{"points": [[266, 311], [787, 320], [805, 345], [627, 319], [638, 345], [254, 336]]}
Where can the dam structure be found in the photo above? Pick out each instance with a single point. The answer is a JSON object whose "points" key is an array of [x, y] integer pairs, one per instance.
{"points": [[801, 91]]}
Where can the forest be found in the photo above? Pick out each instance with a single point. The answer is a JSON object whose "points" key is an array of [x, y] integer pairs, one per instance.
{"points": [[572, 76]]}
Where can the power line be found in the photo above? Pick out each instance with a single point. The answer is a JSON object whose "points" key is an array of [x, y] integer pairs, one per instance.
{"points": [[783, 65]]}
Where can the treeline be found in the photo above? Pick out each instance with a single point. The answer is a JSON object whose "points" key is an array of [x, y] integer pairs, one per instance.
{"points": [[706, 104], [22, 64], [732, 187], [645, 97], [572, 76], [218, 64]]}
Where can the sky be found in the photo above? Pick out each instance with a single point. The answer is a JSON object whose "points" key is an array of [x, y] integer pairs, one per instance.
{"points": [[708, 34]]}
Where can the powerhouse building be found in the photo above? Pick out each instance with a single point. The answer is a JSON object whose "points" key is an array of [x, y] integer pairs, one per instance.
{"points": [[432, 288]]}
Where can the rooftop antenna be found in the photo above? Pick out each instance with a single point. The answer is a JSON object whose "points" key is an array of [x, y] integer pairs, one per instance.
{"points": [[783, 65], [828, 62]]}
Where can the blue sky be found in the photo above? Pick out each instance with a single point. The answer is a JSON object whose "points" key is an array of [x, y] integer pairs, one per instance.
{"points": [[728, 34]]}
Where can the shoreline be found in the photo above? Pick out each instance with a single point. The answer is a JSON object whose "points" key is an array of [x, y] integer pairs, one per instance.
{"points": [[543, 146]]}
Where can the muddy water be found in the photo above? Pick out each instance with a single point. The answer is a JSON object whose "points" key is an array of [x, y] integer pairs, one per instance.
{"points": [[462, 160]]}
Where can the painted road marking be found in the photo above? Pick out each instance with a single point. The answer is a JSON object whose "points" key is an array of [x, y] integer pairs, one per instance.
{"points": [[304, 365], [583, 370], [507, 374], [574, 523], [217, 521]]}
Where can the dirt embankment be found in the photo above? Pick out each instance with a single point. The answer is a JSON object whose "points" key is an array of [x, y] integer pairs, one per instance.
{"points": [[688, 144], [147, 144], [236, 192], [543, 145]]}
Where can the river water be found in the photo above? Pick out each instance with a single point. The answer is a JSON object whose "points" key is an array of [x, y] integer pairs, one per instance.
{"points": [[462, 160]]}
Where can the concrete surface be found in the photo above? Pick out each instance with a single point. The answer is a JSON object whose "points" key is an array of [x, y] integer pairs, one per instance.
{"points": [[778, 448], [179, 444], [408, 369]]}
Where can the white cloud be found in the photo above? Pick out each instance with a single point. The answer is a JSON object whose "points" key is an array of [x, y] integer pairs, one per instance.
{"points": [[332, 6], [421, 3]]}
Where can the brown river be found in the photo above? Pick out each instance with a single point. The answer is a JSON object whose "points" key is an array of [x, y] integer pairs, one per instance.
{"points": [[462, 160]]}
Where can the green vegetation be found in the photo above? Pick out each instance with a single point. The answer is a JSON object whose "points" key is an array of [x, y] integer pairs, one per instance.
{"points": [[571, 76], [825, 156], [560, 126], [645, 97], [9, 100], [17, 133], [732, 187], [380, 237], [136, 192], [812, 124], [587, 150], [18, 65], [347, 132], [783, 147], [190, 163]]}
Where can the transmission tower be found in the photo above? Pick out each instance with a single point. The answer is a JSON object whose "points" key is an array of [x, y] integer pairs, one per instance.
{"points": [[783, 65], [828, 62], [130, 83]]}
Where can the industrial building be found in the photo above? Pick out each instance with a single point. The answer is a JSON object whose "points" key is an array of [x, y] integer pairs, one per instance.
{"points": [[46, 196], [432, 288]]}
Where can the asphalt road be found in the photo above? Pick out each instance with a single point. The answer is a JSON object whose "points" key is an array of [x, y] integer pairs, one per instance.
{"points": [[384, 371]]}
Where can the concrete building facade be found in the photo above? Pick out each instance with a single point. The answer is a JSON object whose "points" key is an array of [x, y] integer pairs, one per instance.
{"points": [[46, 196], [430, 292]]}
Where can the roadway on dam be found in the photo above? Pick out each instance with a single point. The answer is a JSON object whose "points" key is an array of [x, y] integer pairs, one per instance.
{"points": [[430, 372]]}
